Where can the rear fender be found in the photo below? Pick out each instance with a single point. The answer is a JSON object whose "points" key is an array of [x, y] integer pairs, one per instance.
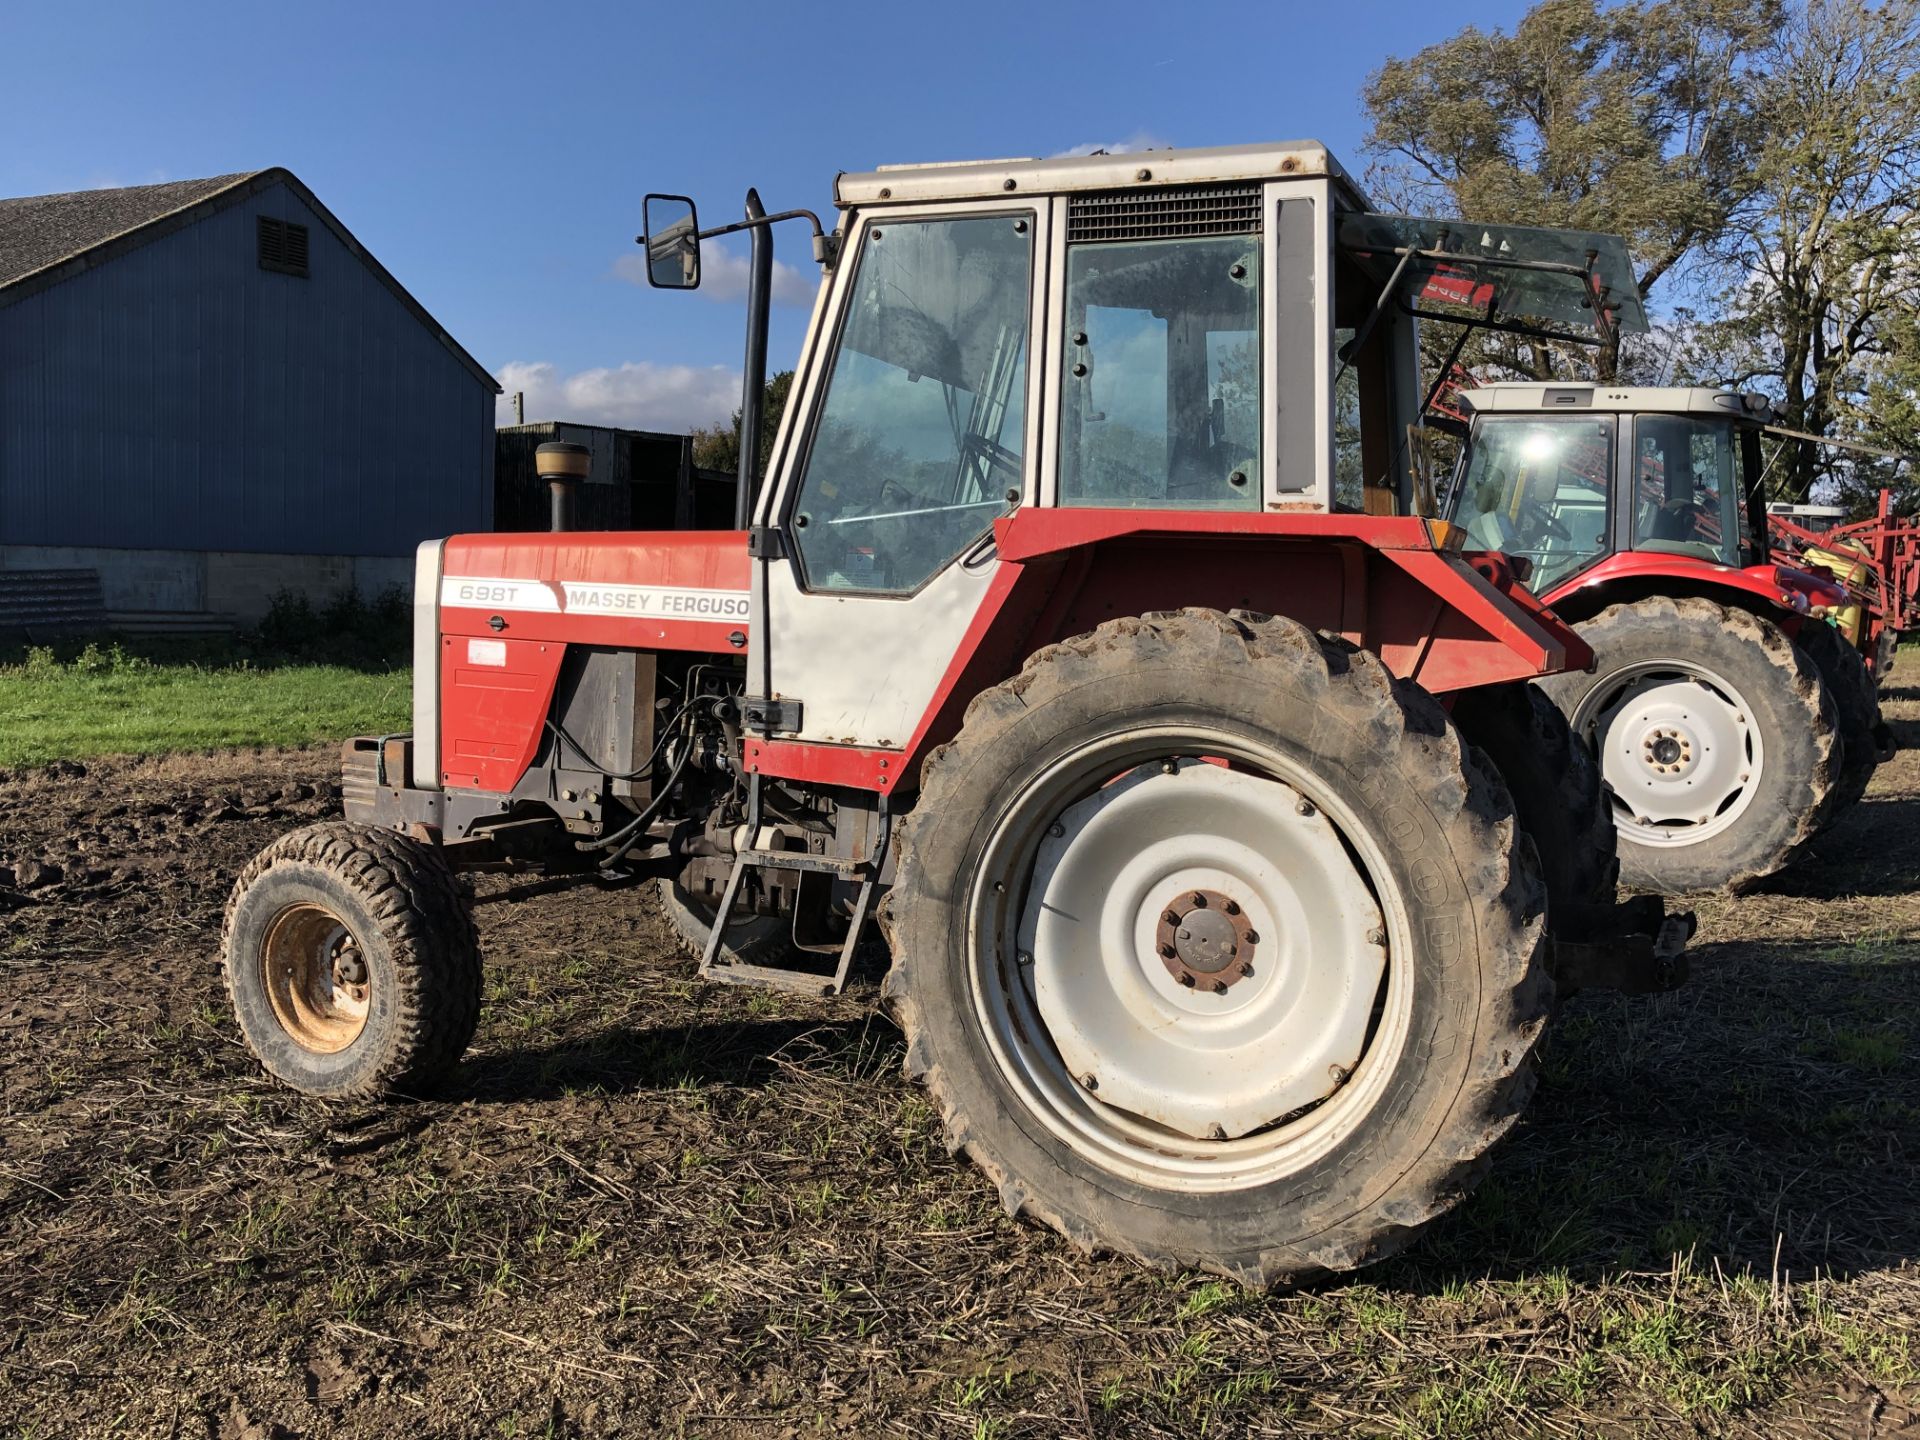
{"points": [[1772, 592], [1431, 616]]}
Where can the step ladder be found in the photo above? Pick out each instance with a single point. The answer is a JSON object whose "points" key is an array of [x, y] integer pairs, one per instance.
{"points": [[723, 968]]}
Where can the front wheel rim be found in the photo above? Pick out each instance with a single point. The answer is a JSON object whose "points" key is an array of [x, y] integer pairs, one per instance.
{"points": [[1680, 748], [1341, 1021], [316, 979]]}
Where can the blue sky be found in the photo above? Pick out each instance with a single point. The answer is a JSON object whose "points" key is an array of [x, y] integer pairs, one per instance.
{"points": [[493, 156]]}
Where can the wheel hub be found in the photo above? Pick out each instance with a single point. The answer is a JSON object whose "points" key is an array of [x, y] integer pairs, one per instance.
{"points": [[1204, 954], [1205, 938], [316, 979]]}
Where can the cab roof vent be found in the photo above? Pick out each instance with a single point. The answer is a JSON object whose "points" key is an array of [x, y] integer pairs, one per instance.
{"points": [[1165, 214]]}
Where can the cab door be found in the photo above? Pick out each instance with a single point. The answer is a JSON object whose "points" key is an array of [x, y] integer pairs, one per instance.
{"points": [[916, 431]]}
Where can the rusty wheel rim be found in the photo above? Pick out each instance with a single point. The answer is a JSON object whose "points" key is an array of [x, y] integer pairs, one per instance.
{"points": [[316, 979]]}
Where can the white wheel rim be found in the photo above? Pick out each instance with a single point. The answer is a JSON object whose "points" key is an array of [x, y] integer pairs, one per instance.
{"points": [[1679, 747], [1192, 1088]]}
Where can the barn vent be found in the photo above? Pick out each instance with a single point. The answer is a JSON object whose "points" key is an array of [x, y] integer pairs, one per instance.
{"points": [[1168, 214], [283, 246]]}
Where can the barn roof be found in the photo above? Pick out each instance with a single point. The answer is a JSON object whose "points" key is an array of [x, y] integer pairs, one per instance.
{"points": [[41, 230], [45, 239]]}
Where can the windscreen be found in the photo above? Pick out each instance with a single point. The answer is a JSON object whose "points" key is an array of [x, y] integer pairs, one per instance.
{"points": [[1537, 487]]}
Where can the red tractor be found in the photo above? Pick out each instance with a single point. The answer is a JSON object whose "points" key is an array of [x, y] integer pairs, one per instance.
{"points": [[1226, 853], [1732, 716]]}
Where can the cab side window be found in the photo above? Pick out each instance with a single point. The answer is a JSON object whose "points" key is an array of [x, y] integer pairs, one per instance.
{"points": [[1160, 382], [919, 440]]}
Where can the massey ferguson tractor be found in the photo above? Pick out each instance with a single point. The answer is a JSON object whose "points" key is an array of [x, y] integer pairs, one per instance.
{"points": [[1729, 703], [1226, 852]]}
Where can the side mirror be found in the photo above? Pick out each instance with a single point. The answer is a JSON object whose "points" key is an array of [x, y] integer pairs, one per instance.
{"points": [[673, 242]]}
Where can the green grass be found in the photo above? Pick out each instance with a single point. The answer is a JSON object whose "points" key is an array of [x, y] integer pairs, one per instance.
{"points": [[306, 673], [110, 702]]}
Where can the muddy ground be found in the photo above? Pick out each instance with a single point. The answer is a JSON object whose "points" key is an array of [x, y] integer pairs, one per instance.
{"points": [[650, 1206]]}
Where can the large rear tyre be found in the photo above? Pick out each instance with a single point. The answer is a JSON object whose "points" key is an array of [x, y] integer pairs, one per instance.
{"points": [[352, 962], [1217, 947], [1715, 733], [1856, 705], [1558, 795]]}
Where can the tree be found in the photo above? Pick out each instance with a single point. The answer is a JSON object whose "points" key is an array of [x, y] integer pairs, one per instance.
{"points": [[1637, 119], [1820, 264], [717, 447]]}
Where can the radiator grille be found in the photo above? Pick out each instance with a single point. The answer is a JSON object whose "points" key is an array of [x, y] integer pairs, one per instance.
{"points": [[1172, 214]]}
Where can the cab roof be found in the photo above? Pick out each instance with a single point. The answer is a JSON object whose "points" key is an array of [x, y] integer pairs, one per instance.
{"points": [[1672, 399], [998, 179]]}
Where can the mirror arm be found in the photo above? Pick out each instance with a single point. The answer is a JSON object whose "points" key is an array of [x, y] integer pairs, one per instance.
{"points": [[826, 247]]}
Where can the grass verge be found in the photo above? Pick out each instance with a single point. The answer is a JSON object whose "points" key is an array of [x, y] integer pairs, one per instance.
{"points": [[305, 674]]}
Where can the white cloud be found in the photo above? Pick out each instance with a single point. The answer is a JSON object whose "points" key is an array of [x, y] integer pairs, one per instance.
{"points": [[1138, 141], [638, 395], [723, 276]]}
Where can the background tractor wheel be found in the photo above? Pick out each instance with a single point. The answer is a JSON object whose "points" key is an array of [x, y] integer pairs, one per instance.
{"points": [[352, 962], [1857, 706], [1558, 794], [1217, 947], [1715, 733]]}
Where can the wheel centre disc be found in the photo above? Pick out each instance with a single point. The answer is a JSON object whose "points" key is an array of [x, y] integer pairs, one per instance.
{"points": [[1204, 952], [1681, 753]]}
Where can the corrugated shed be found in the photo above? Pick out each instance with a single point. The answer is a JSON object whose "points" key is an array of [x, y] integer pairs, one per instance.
{"points": [[177, 395]]}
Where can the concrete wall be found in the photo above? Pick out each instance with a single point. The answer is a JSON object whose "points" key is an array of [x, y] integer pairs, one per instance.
{"points": [[237, 584]]}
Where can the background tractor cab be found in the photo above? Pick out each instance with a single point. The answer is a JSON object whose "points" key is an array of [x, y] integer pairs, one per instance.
{"points": [[1732, 720]]}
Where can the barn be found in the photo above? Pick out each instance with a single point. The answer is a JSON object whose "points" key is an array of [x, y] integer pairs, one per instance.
{"points": [[209, 392]]}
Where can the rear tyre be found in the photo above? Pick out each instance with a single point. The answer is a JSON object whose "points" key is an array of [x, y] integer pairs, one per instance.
{"points": [[1217, 947], [1715, 734], [1857, 707], [352, 962], [1557, 791]]}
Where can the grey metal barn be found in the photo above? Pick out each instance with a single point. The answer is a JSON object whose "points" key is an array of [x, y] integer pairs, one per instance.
{"points": [[209, 391]]}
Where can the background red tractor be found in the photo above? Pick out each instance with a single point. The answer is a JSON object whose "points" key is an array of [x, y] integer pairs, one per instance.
{"points": [[1731, 702]]}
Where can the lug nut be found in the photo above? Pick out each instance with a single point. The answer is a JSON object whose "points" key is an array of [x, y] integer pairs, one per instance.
{"points": [[1056, 830], [1245, 968], [1219, 987], [1172, 917], [1199, 900], [1233, 907], [1167, 952], [1253, 937], [1090, 1080], [1186, 979]]}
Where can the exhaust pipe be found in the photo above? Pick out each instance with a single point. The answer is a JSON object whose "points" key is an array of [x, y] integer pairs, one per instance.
{"points": [[563, 465]]}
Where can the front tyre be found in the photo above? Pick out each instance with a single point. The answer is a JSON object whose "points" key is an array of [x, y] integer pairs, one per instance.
{"points": [[1216, 947], [352, 962]]}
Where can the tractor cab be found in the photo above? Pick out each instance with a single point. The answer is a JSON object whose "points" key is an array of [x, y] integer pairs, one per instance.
{"points": [[1566, 476]]}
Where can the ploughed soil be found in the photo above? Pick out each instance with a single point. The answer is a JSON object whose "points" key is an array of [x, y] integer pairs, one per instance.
{"points": [[651, 1206]]}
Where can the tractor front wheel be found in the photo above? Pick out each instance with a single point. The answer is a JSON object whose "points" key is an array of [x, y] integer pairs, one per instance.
{"points": [[352, 962], [1217, 947]]}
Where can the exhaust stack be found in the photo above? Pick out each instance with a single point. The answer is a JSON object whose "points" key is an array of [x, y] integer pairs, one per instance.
{"points": [[563, 465]]}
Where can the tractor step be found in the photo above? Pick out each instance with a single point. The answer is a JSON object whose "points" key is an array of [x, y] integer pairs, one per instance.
{"points": [[728, 971]]}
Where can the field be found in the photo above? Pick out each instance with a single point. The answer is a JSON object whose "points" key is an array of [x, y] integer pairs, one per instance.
{"points": [[650, 1206]]}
